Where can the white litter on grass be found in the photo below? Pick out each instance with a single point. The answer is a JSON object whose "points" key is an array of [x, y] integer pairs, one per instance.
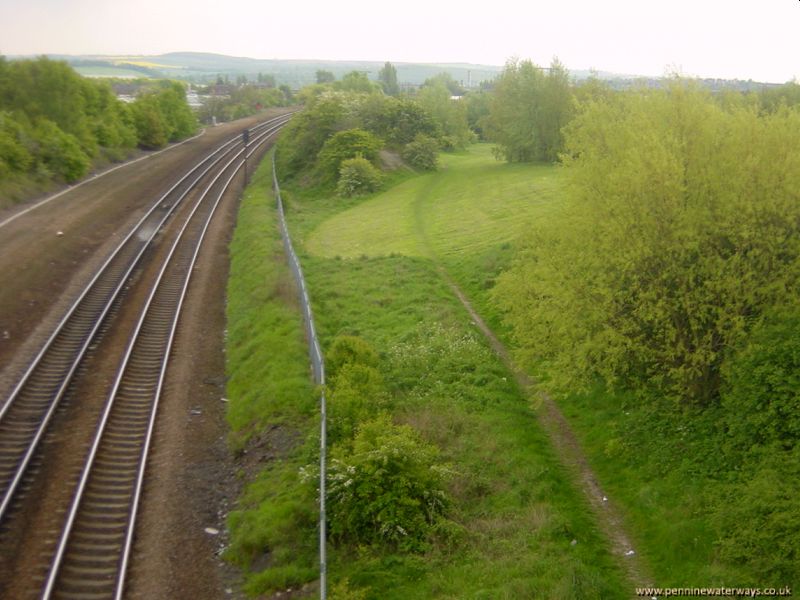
{"points": [[212, 531], [605, 499], [630, 553]]}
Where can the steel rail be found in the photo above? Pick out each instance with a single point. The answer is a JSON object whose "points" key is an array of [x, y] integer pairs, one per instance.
{"points": [[25, 416], [124, 435]]}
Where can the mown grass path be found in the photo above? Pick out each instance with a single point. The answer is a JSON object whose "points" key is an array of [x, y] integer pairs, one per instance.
{"points": [[470, 207]]}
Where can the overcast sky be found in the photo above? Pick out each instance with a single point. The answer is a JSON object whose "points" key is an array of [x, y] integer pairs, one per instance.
{"points": [[752, 39]]}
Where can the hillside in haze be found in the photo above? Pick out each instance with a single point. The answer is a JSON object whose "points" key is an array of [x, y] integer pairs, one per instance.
{"points": [[204, 67]]}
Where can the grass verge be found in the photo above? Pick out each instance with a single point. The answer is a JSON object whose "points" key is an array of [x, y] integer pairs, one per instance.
{"points": [[518, 526], [272, 405], [660, 465]]}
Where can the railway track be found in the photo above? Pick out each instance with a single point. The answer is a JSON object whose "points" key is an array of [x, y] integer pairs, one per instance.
{"points": [[92, 553]]}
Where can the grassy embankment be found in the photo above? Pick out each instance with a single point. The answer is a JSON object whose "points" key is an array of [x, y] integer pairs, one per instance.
{"points": [[272, 405], [519, 527], [658, 465]]}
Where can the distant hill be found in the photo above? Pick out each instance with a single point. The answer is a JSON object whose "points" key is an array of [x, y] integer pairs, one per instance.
{"points": [[204, 67]]}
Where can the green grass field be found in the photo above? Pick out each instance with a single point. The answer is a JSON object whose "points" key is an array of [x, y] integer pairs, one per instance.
{"points": [[472, 204], [465, 217], [525, 530]]}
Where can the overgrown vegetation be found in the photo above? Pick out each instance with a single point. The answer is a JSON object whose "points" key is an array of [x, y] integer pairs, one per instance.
{"points": [[653, 289], [679, 232], [243, 100], [54, 124], [441, 485], [665, 290], [528, 109], [353, 117], [271, 402], [694, 480]]}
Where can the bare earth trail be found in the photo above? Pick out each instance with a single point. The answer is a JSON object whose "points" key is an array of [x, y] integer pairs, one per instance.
{"points": [[608, 517], [191, 479]]}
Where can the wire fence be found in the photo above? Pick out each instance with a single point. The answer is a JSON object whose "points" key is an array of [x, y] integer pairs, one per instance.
{"points": [[317, 372]]}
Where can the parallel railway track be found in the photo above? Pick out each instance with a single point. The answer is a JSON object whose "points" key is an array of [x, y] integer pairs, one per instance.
{"points": [[92, 553]]}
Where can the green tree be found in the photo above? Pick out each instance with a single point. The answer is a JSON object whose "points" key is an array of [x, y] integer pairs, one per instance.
{"points": [[680, 230], [357, 81], [14, 156], [52, 90], [355, 395], [386, 488], [422, 153], [447, 81], [478, 112], [761, 395], [347, 144], [450, 114], [60, 152], [151, 128], [528, 111], [303, 138], [358, 176], [387, 77], [179, 119], [398, 121], [771, 99]]}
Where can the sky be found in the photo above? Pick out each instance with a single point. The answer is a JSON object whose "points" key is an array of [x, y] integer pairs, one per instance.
{"points": [[731, 39]]}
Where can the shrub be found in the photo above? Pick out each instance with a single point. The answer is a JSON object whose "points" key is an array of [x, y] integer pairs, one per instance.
{"points": [[349, 350], [762, 391], [344, 591], [60, 152], [358, 176], [13, 155], [357, 393], [387, 488], [759, 519], [347, 144], [151, 127], [422, 153]]}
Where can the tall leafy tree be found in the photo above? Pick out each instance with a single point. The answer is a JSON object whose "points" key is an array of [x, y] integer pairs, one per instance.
{"points": [[680, 230], [451, 114], [356, 81], [387, 77], [528, 110]]}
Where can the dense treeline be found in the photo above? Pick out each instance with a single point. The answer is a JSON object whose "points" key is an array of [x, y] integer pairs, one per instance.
{"points": [[346, 124], [55, 124], [672, 277], [244, 100]]}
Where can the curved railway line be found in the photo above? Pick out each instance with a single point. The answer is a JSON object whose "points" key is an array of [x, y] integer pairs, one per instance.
{"points": [[90, 554]]}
